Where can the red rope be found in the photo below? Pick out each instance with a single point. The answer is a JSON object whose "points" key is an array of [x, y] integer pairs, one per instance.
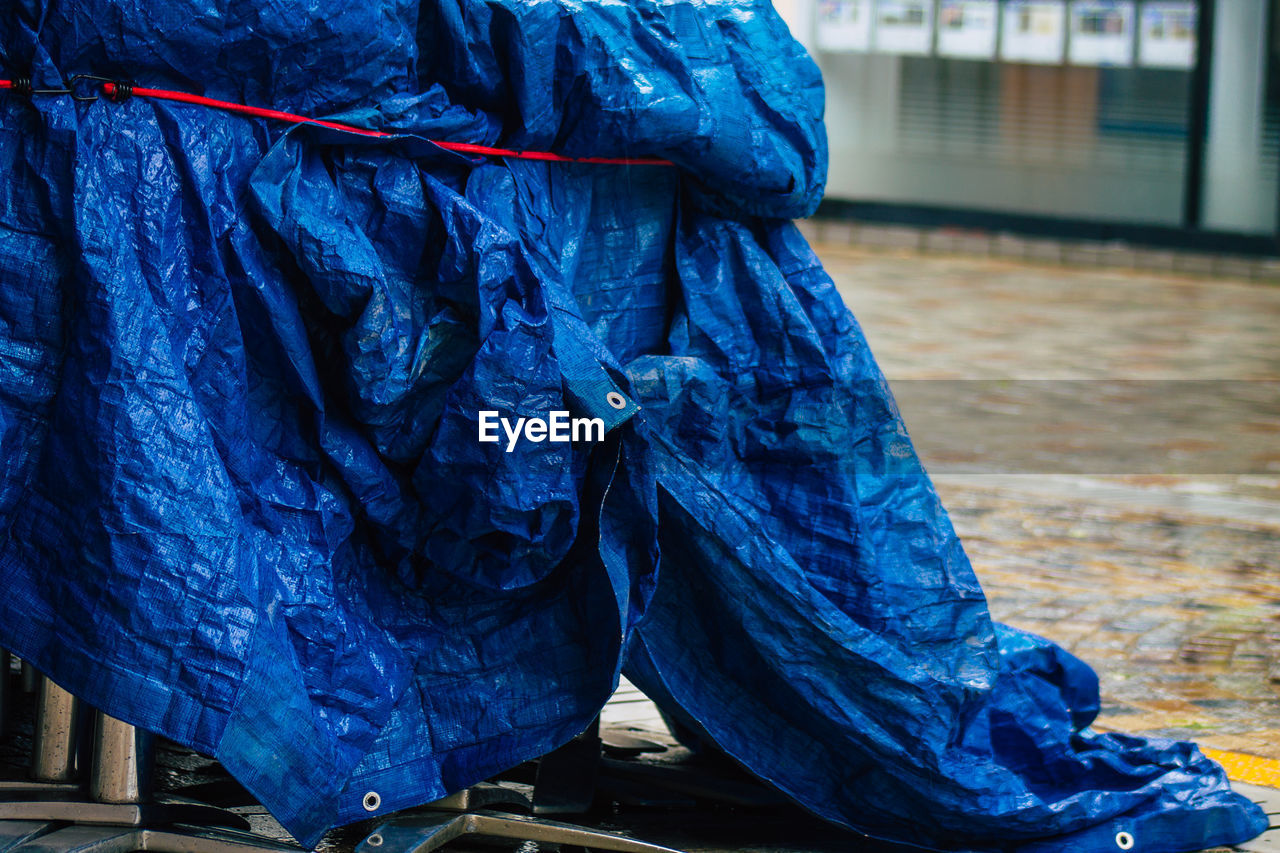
{"points": [[112, 90], [468, 148]]}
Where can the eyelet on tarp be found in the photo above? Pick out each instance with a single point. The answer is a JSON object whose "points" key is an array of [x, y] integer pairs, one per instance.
{"points": [[616, 400], [1124, 841], [371, 801]]}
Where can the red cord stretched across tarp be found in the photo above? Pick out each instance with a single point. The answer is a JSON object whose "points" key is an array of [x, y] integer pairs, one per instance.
{"points": [[119, 91], [113, 90]]}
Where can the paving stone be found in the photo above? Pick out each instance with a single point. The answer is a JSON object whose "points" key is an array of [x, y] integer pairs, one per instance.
{"points": [[1196, 264], [1155, 260], [890, 237], [1049, 251], [1234, 267], [1009, 246], [1083, 254], [836, 232], [977, 244], [942, 240], [1119, 255], [1268, 269]]}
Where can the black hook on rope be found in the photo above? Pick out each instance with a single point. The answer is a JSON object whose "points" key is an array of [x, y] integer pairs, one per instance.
{"points": [[115, 90], [22, 85]]}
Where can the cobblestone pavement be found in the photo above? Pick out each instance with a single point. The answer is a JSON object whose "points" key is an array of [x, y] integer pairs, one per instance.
{"points": [[1158, 562], [931, 317]]}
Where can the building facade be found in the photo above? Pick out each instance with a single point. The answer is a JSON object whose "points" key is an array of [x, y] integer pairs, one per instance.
{"points": [[1112, 117]]}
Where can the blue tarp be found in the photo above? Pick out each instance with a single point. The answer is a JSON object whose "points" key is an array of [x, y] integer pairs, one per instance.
{"points": [[243, 498]]}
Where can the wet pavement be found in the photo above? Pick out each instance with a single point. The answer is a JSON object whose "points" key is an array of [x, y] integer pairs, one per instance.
{"points": [[1108, 446]]}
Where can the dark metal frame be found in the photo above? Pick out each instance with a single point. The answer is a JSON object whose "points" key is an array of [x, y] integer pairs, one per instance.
{"points": [[90, 792], [1198, 118], [1049, 227]]}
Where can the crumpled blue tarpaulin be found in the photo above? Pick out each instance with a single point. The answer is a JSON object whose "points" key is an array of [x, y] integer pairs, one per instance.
{"points": [[241, 364]]}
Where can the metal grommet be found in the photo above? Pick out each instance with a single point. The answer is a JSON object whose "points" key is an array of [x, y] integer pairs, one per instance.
{"points": [[374, 840], [372, 801], [1124, 841], [616, 400]]}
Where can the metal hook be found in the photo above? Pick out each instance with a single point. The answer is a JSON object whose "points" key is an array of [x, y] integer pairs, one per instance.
{"points": [[23, 86], [121, 89], [84, 98]]}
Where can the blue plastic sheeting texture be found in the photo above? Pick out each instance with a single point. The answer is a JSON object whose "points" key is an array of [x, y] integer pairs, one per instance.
{"points": [[241, 367]]}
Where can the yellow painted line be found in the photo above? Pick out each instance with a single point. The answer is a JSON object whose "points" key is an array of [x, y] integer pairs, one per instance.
{"points": [[1240, 766], [1250, 769]]}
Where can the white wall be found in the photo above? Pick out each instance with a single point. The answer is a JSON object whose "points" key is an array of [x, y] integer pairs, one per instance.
{"points": [[1235, 198]]}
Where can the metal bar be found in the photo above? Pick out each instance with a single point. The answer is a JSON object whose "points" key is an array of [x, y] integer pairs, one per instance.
{"points": [[487, 795], [72, 809], [1269, 94], [566, 779], [56, 734], [537, 829], [122, 762], [87, 839], [421, 834], [15, 833], [192, 840], [6, 698], [30, 678], [922, 216], [1198, 118]]}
